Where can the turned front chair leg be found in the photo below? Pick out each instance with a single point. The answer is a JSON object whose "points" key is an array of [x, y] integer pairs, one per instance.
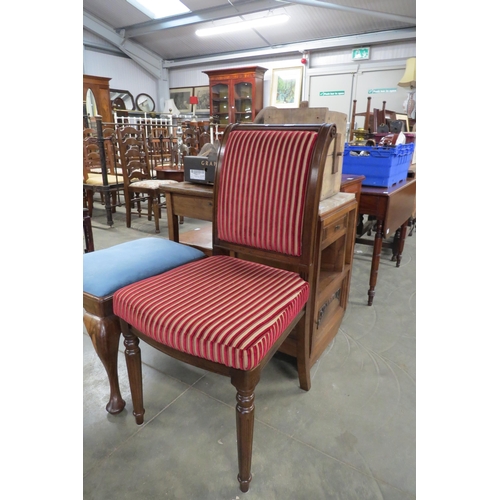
{"points": [[134, 369], [245, 414], [105, 336]]}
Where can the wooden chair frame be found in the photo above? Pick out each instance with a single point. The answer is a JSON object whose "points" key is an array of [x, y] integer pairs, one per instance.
{"points": [[245, 382], [136, 166]]}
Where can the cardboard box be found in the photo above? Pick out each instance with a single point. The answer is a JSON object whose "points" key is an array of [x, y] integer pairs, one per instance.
{"points": [[332, 176], [200, 169]]}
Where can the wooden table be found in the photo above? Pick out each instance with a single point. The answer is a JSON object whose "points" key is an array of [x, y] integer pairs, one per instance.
{"points": [[187, 199], [391, 209], [167, 173], [352, 184]]}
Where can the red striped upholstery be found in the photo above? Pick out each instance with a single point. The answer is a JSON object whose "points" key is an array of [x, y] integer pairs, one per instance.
{"points": [[220, 308], [262, 188]]}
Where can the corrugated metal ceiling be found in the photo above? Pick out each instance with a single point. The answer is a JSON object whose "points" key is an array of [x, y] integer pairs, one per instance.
{"points": [[309, 20]]}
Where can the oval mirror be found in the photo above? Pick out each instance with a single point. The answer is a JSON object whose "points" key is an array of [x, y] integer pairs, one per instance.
{"points": [[144, 102], [91, 104], [120, 98]]}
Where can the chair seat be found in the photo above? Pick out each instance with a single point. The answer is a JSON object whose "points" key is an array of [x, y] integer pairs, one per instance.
{"points": [[96, 180], [107, 270], [151, 183], [177, 308]]}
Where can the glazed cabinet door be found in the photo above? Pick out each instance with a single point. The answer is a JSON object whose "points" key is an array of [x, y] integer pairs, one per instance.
{"points": [[220, 107], [243, 93], [236, 94]]}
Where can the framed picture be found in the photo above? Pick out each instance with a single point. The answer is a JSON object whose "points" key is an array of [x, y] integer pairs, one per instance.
{"points": [[203, 95], [181, 98], [286, 87], [404, 118]]}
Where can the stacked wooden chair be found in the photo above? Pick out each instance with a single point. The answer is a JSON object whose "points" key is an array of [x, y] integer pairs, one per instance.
{"points": [[139, 184], [100, 174]]}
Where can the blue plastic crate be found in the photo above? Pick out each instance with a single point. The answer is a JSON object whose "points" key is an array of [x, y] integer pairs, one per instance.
{"points": [[382, 166]]}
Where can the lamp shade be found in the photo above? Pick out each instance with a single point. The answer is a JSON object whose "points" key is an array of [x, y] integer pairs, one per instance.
{"points": [[193, 99], [410, 77], [170, 105]]}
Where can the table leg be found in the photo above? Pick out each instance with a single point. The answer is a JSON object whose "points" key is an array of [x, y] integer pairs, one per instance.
{"points": [[402, 238], [377, 248], [173, 220], [87, 232], [395, 245]]}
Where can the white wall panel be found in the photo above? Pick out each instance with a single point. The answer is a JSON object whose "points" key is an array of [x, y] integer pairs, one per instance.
{"points": [[128, 75], [125, 74]]}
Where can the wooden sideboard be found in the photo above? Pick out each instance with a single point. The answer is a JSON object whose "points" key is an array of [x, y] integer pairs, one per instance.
{"points": [[332, 268]]}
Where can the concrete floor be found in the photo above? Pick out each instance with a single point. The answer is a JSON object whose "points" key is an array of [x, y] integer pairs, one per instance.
{"points": [[352, 436]]}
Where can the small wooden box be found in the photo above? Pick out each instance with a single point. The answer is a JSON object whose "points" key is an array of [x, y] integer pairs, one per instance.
{"points": [[333, 168]]}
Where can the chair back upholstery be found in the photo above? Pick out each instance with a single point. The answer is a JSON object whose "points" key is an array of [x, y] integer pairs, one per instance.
{"points": [[268, 186], [134, 155]]}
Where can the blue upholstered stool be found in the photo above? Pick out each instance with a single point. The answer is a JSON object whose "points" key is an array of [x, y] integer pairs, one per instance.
{"points": [[104, 272]]}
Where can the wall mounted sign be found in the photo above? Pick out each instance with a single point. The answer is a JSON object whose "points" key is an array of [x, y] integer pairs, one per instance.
{"points": [[382, 91], [327, 93], [361, 54]]}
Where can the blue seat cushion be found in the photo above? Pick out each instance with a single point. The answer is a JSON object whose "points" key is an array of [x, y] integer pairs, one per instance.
{"points": [[107, 270]]}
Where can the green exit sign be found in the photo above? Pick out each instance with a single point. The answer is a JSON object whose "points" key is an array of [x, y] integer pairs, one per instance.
{"points": [[326, 93], [361, 54]]}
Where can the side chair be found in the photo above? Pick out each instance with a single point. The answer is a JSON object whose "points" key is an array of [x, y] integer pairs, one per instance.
{"points": [[139, 185], [93, 180], [230, 312]]}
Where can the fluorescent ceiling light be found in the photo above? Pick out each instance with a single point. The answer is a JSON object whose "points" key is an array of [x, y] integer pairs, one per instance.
{"points": [[243, 25], [156, 9]]}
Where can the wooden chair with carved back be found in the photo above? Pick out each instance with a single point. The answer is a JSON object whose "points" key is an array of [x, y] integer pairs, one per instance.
{"points": [[159, 143], [229, 313], [139, 185], [94, 179]]}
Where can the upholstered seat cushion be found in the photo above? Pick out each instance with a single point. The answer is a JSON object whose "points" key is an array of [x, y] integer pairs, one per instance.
{"points": [[223, 309], [96, 179], [152, 183], [104, 271]]}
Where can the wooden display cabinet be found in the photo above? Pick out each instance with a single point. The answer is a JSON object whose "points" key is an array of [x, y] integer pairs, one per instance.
{"points": [[236, 94], [99, 86]]}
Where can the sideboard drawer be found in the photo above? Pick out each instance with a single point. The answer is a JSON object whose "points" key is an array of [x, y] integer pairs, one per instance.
{"points": [[332, 230]]}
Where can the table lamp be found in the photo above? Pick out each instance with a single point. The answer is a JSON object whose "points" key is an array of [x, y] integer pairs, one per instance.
{"points": [[170, 108], [410, 80]]}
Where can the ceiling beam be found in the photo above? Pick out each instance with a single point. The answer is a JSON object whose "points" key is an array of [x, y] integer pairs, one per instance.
{"points": [[151, 62], [373, 13], [201, 16], [324, 44]]}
